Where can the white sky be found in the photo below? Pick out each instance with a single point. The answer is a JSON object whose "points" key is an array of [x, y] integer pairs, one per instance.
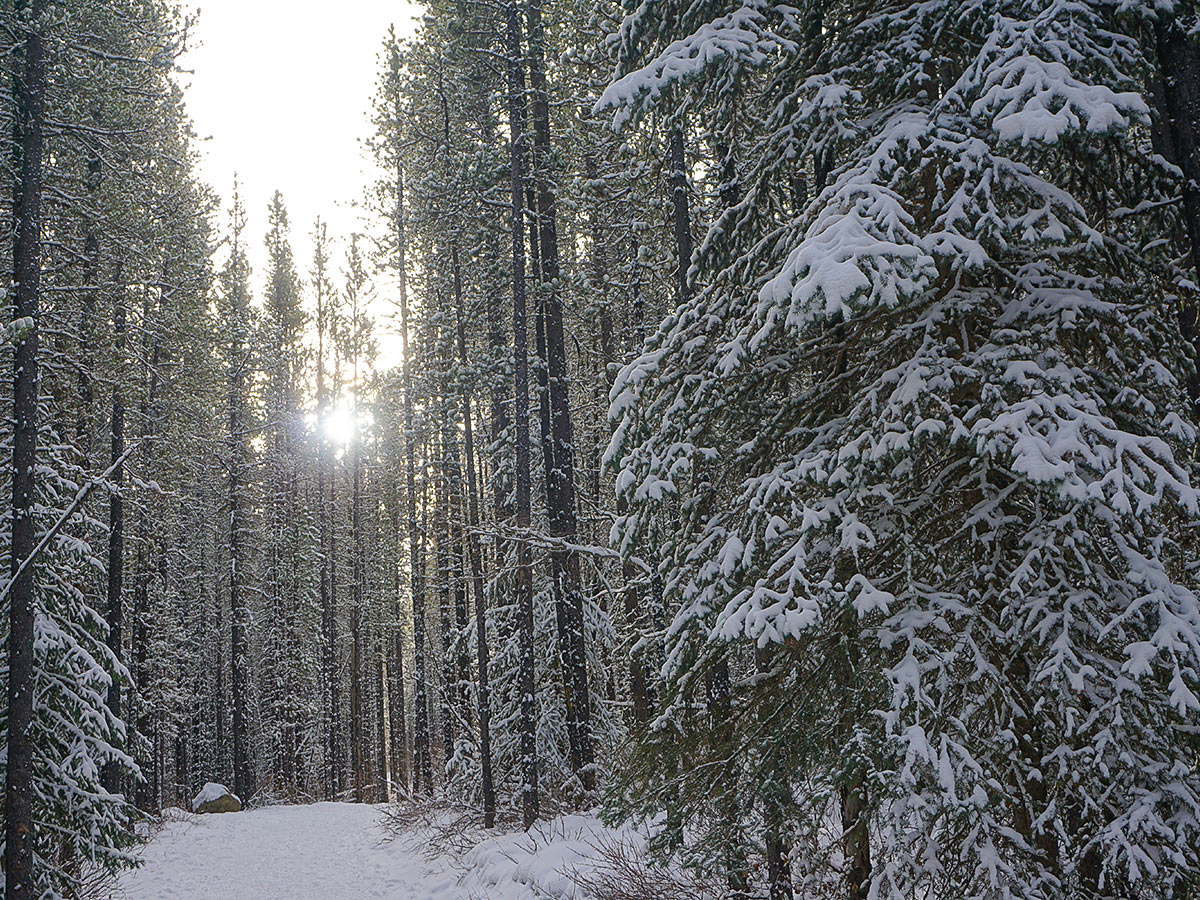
{"points": [[280, 93]]}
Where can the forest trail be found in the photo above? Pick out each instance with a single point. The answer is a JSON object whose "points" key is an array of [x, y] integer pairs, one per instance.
{"points": [[326, 851]]}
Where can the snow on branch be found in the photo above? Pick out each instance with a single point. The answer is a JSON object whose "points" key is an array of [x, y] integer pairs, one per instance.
{"points": [[739, 37]]}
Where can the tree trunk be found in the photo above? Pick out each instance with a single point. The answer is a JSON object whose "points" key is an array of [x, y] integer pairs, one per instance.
{"points": [[239, 631], [91, 289], [149, 790], [116, 529], [400, 759], [422, 753], [443, 566], [422, 772], [641, 686], [483, 688], [383, 776], [677, 180], [1178, 53], [329, 666], [524, 576], [560, 487], [357, 710], [29, 87]]}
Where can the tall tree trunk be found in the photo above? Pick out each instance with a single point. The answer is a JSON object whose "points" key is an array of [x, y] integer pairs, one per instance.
{"points": [[560, 488], [483, 686], [442, 503], [641, 687], [462, 658], [400, 758], [116, 527], [776, 794], [423, 762], [422, 773], [526, 679], [357, 710], [383, 776], [329, 666], [562, 613], [91, 290], [337, 744], [855, 812], [149, 790], [239, 631], [1178, 51], [29, 88]]}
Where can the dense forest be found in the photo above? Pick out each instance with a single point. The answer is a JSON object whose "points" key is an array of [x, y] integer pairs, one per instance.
{"points": [[791, 444]]}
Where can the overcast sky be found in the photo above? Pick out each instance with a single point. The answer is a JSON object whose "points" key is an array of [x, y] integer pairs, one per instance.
{"points": [[280, 92]]}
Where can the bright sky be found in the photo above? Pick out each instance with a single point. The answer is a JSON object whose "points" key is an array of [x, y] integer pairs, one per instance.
{"points": [[281, 94]]}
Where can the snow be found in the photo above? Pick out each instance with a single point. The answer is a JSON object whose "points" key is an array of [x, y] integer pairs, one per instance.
{"points": [[339, 851], [212, 791], [736, 37], [546, 862], [326, 851]]}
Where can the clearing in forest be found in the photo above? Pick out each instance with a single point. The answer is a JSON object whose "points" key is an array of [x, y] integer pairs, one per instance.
{"points": [[326, 851]]}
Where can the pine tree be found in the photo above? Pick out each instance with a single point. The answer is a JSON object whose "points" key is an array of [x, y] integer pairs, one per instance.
{"points": [[237, 353], [900, 429]]}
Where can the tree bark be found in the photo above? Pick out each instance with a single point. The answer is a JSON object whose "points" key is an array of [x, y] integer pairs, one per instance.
{"points": [[239, 630], [524, 576], [29, 88], [357, 710], [483, 687], [1178, 53], [677, 179], [116, 528], [560, 486], [422, 768], [444, 566], [400, 758]]}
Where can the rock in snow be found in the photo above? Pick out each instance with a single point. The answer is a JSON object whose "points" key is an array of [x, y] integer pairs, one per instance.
{"points": [[216, 798]]}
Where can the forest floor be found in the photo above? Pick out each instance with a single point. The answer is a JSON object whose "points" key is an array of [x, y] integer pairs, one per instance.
{"points": [[326, 851], [350, 851]]}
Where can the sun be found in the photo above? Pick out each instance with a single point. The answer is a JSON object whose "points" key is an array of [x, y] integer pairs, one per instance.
{"points": [[343, 423]]}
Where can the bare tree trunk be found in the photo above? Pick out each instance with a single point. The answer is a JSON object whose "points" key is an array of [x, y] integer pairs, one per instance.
{"points": [[116, 528], [443, 565], [422, 752], [1178, 51], [383, 776], [239, 630], [524, 576], [29, 88], [560, 487], [483, 687], [329, 666], [149, 791], [422, 773], [357, 710], [400, 761], [641, 687], [677, 179]]}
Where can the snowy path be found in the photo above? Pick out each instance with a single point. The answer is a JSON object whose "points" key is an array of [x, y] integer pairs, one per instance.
{"points": [[327, 851]]}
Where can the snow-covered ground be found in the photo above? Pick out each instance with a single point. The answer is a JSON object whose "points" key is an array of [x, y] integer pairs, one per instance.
{"points": [[327, 851], [340, 851]]}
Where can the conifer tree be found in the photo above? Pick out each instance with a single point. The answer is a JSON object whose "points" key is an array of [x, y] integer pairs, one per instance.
{"points": [[916, 391]]}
